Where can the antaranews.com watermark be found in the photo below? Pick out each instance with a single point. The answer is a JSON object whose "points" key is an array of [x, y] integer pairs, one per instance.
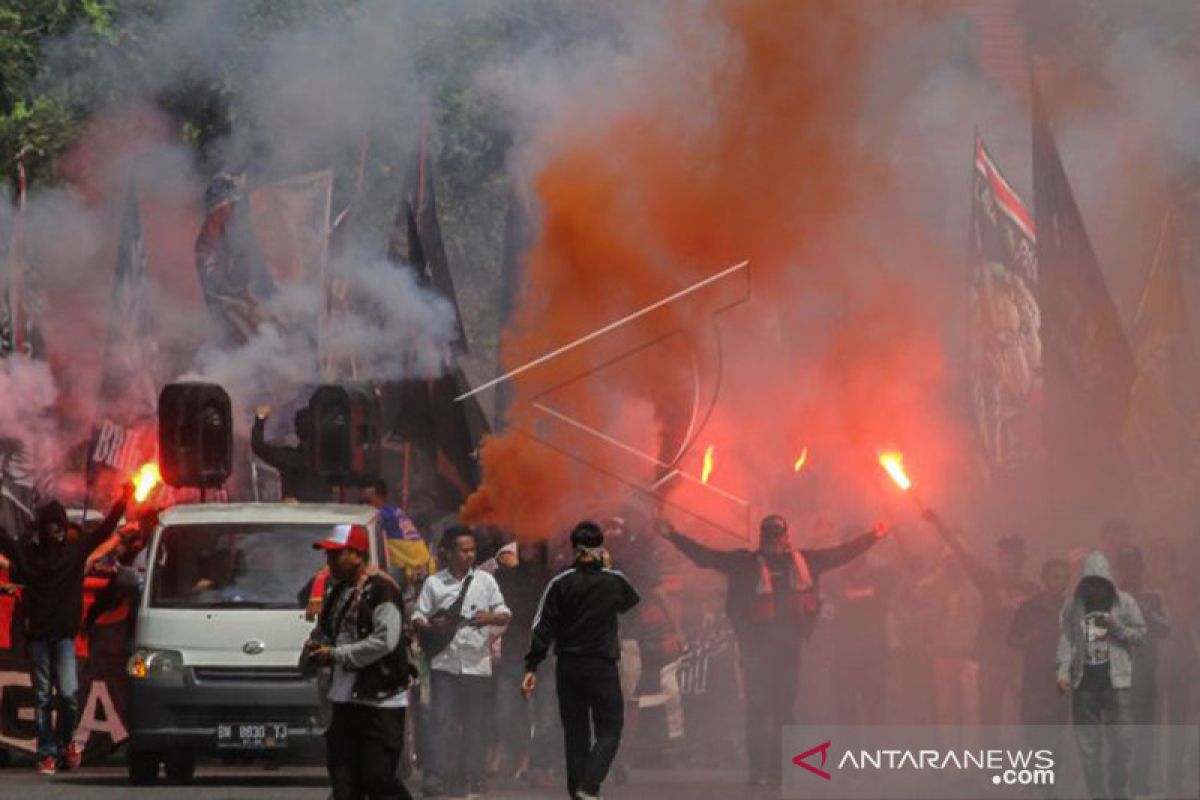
{"points": [[933, 762]]}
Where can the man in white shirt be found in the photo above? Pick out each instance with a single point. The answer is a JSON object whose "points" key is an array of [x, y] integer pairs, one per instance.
{"points": [[471, 609]]}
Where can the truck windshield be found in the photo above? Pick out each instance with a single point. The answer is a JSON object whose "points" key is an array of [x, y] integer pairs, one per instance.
{"points": [[232, 566]]}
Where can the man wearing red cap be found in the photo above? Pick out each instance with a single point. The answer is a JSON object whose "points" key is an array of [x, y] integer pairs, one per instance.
{"points": [[358, 634]]}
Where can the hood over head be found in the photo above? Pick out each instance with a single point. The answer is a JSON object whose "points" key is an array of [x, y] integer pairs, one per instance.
{"points": [[1095, 566], [49, 514]]}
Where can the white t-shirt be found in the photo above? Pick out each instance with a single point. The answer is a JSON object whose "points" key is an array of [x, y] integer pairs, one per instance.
{"points": [[469, 653]]}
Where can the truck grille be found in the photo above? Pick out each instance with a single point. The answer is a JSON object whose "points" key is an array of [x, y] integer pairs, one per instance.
{"points": [[248, 674], [212, 716]]}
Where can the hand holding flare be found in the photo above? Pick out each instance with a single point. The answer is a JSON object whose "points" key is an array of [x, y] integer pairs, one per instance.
{"points": [[893, 464], [144, 481]]}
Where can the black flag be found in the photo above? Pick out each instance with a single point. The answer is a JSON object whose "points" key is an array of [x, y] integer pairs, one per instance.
{"points": [[436, 436], [1089, 367]]}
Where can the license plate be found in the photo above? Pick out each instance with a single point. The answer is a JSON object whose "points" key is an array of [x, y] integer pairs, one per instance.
{"points": [[252, 736]]}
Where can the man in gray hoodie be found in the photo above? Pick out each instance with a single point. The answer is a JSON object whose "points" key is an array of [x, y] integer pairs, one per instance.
{"points": [[1099, 624]]}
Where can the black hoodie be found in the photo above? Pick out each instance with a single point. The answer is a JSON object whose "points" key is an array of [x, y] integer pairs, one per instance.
{"points": [[52, 572]]}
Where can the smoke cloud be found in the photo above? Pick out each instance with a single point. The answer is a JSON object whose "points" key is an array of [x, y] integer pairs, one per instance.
{"points": [[312, 91], [830, 145]]}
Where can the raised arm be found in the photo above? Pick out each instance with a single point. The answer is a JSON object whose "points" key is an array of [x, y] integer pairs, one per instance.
{"points": [[704, 557], [104, 549], [105, 529], [979, 574], [827, 558], [279, 456]]}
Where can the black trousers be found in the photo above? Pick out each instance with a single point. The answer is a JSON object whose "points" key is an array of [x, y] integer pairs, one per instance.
{"points": [[589, 701], [771, 671], [363, 746]]}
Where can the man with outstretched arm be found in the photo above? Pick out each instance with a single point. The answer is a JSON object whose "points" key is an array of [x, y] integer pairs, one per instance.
{"points": [[578, 615], [49, 565], [772, 602]]}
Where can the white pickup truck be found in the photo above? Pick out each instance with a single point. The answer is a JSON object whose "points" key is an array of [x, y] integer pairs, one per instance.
{"points": [[220, 626]]}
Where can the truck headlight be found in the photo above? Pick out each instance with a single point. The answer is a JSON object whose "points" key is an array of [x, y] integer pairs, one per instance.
{"points": [[154, 664]]}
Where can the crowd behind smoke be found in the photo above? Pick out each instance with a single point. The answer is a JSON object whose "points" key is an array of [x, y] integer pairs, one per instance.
{"points": [[668, 147], [829, 145], [840, 169]]}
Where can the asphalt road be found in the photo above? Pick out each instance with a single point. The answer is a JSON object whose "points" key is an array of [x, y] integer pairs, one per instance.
{"points": [[309, 783]]}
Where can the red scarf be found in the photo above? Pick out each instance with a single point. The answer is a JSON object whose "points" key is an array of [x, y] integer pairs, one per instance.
{"points": [[802, 589]]}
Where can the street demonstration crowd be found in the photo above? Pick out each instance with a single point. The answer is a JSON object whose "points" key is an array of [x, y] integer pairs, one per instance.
{"points": [[433, 666]]}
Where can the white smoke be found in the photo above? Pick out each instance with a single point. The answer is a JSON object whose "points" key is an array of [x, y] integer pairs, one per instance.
{"points": [[29, 429], [389, 329]]}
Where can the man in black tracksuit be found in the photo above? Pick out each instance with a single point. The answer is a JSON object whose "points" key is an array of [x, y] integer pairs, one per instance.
{"points": [[578, 614]]}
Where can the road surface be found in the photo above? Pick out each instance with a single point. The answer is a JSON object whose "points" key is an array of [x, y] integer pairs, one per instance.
{"points": [[309, 783]]}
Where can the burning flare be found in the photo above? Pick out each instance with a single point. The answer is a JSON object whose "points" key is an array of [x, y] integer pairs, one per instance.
{"points": [[893, 463], [801, 460], [708, 464], [144, 481]]}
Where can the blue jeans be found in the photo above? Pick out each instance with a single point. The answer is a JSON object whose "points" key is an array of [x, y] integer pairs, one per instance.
{"points": [[54, 668]]}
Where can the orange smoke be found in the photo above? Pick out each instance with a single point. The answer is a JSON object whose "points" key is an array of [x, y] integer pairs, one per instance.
{"points": [[739, 141]]}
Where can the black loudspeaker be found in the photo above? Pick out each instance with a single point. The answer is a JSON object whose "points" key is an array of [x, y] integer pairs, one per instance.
{"points": [[345, 419], [195, 435]]}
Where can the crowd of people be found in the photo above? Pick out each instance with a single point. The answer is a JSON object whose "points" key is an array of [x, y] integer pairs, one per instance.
{"points": [[432, 666]]}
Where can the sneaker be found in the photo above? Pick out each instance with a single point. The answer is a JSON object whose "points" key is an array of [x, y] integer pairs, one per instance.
{"points": [[74, 757], [47, 765], [586, 796]]}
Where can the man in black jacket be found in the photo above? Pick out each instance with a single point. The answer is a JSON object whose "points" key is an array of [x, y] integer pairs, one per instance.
{"points": [[358, 634], [49, 565], [578, 615], [772, 602], [298, 480]]}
